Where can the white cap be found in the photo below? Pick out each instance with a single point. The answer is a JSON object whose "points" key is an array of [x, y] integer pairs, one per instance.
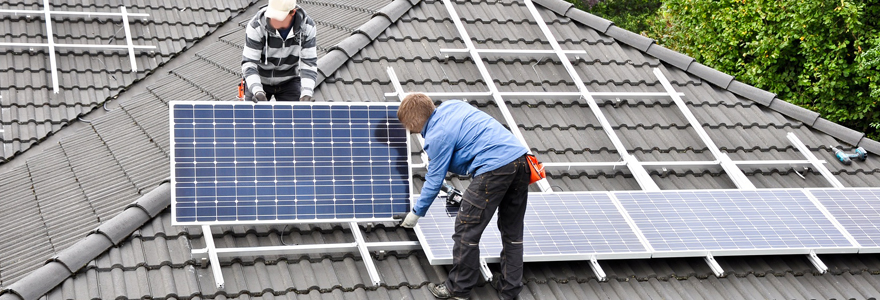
{"points": [[279, 9]]}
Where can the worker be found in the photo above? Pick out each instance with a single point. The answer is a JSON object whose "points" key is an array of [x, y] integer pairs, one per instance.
{"points": [[466, 141], [280, 59]]}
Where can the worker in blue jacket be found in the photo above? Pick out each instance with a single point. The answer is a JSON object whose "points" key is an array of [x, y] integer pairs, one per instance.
{"points": [[464, 140]]}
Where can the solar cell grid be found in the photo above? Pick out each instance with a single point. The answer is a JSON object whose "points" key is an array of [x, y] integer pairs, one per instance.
{"points": [[239, 162], [731, 220], [558, 226], [857, 210]]}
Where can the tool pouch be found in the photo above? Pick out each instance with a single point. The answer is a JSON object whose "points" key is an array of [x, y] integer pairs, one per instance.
{"points": [[536, 168]]}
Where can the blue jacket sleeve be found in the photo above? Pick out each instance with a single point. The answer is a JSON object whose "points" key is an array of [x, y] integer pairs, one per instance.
{"points": [[439, 155]]}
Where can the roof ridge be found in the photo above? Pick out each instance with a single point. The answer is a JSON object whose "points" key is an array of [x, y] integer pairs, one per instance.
{"points": [[713, 76], [365, 34], [110, 233]]}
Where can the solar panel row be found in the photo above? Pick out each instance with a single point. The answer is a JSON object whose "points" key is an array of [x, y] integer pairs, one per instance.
{"points": [[239, 162], [558, 226], [303, 162], [563, 226]]}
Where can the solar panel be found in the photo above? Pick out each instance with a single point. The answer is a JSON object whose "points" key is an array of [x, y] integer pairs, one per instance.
{"points": [[287, 162], [732, 222], [857, 210], [558, 227]]}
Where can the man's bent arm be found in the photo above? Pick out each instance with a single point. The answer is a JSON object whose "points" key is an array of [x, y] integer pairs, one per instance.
{"points": [[250, 57], [439, 154], [309, 59]]}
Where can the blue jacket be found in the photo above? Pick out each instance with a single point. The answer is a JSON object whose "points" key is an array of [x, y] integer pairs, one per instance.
{"points": [[463, 140]]}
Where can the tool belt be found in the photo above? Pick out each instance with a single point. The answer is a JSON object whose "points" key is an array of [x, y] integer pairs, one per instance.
{"points": [[536, 168]]}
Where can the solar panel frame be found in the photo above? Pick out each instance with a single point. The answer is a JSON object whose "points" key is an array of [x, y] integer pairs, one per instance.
{"points": [[392, 202], [739, 251], [490, 244], [861, 225]]}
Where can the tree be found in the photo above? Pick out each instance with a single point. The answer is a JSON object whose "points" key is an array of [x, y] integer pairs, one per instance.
{"points": [[822, 55]]}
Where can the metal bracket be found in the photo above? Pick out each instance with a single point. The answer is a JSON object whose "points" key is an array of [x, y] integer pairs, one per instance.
{"points": [[212, 254], [212, 257], [365, 254], [816, 163], [713, 264], [597, 269], [484, 268], [817, 262]]}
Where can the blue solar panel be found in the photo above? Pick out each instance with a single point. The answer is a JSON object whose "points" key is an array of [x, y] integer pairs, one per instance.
{"points": [[558, 226], [858, 210], [279, 162], [679, 221]]}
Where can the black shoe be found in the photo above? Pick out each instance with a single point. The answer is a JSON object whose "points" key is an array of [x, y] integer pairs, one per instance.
{"points": [[441, 292]]}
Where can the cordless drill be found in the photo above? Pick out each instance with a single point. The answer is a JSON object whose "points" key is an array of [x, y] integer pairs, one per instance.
{"points": [[846, 159], [453, 196]]}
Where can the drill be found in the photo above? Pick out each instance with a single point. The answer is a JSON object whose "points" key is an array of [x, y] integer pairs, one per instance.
{"points": [[453, 196], [846, 159]]}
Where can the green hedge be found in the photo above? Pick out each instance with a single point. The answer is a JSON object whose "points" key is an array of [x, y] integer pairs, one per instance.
{"points": [[820, 54]]}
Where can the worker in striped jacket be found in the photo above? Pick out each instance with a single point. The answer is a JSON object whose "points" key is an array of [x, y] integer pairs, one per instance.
{"points": [[280, 58]]}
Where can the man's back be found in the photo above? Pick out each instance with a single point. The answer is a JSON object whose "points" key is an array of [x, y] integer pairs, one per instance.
{"points": [[480, 143]]}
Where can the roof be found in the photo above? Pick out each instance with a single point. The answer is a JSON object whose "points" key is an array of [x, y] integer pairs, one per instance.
{"points": [[88, 77], [138, 254]]}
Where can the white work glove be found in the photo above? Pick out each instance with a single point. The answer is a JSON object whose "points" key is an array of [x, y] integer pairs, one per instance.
{"points": [[259, 96], [410, 220]]}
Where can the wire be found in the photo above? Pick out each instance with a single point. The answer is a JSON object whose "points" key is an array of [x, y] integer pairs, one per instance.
{"points": [[282, 235]]}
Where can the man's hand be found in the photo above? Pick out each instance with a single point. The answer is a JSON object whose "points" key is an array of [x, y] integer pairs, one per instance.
{"points": [[259, 96], [409, 219], [305, 99]]}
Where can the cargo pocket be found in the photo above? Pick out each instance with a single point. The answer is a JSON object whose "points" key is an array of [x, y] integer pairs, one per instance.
{"points": [[469, 213], [507, 169]]}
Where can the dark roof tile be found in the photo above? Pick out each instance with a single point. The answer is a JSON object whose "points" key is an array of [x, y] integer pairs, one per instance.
{"points": [[804, 115], [711, 75], [870, 145], [668, 56], [124, 224], [41, 281], [78, 255], [560, 7], [374, 27], [394, 10], [353, 44], [630, 38], [838, 131], [751, 92], [595, 22]]}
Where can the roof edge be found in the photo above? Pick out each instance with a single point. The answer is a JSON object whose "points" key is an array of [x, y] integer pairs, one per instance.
{"points": [[42, 280], [720, 79], [362, 37]]}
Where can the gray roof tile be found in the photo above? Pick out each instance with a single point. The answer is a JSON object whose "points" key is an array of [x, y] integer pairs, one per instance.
{"points": [[796, 112], [668, 56], [87, 77], [711, 75], [870, 145], [752, 93], [840, 132], [599, 24], [559, 7], [630, 38], [154, 262]]}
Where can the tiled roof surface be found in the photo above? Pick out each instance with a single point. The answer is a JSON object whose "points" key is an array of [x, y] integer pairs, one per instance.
{"points": [[155, 261], [87, 77]]}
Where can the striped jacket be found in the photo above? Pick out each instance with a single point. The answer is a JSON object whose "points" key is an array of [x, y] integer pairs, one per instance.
{"points": [[269, 58]]}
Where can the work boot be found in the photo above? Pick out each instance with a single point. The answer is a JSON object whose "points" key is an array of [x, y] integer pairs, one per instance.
{"points": [[441, 292], [496, 281]]}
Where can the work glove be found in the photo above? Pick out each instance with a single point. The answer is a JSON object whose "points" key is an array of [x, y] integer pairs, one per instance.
{"points": [[259, 96], [409, 219], [305, 99]]}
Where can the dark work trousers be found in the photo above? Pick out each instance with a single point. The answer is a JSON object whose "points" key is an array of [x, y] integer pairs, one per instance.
{"points": [[504, 189], [286, 91]]}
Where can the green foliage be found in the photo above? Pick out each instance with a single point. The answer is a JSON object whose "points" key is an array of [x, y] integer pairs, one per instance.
{"points": [[632, 15], [821, 54]]}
